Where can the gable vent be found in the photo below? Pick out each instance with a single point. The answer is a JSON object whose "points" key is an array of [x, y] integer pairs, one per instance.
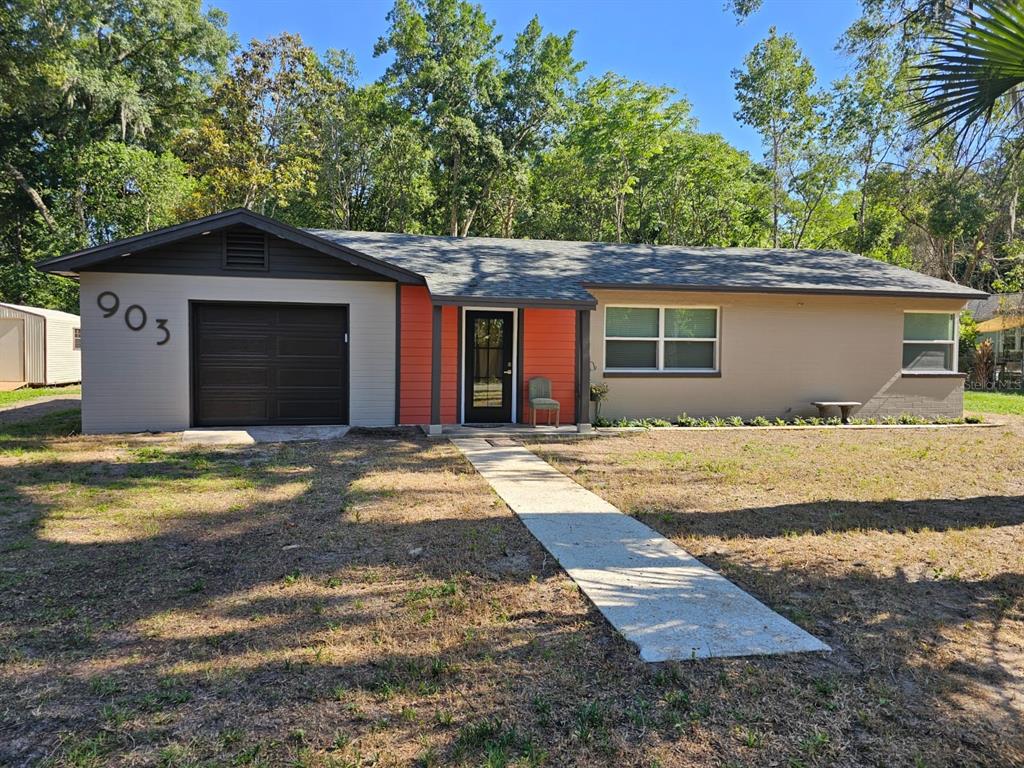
{"points": [[245, 249]]}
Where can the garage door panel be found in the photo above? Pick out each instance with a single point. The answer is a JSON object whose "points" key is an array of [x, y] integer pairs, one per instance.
{"points": [[330, 348], [309, 377], [231, 377], [235, 345], [315, 411], [270, 364], [234, 410]]}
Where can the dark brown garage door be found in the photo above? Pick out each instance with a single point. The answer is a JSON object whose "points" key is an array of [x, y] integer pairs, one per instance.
{"points": [[269, 364]]}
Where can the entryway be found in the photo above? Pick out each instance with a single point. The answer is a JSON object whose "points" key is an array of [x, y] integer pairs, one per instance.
{"points": [[489, 380]]}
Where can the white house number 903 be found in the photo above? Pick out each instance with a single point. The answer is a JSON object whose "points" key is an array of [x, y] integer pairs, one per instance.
{"points": [[134, 316]]}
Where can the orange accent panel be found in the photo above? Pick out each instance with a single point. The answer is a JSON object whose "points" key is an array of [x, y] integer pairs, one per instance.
{"points": [[414, 407], [416, 349], [549, 350]]}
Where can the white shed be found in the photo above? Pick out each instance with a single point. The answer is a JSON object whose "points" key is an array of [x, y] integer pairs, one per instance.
{"points": [[39, 346]]}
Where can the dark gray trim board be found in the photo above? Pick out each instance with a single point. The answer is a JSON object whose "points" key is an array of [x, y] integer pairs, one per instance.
{"points": [[521, 394], [398, 354], [82, 260], [435, 365], [931, 375], [661, 375], [512, 302], [725, 288], [583, 367]]}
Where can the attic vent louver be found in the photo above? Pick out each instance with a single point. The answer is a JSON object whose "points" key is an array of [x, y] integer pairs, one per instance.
{"points": [[245, 249]]}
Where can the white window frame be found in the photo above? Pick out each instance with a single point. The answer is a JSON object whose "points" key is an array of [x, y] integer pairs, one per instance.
{"points": [[76, 339], [661, 338], [954, 342]]}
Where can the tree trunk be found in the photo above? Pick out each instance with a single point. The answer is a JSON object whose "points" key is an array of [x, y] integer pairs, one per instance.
{"points": [[775, 192], [33, 195]]}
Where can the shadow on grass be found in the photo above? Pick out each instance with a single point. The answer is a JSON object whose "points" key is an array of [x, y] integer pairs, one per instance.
{"points": [[317, 601]]}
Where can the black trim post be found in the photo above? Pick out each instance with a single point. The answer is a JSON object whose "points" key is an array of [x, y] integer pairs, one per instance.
{"points": [[520, 379], [459, 396], [398, 354], [583, 367], [435, 372]]}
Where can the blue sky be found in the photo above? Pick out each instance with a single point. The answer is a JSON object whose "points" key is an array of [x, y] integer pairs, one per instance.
{"points": [[691, 46]]}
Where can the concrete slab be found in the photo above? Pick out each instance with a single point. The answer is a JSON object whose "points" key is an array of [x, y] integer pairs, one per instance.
{"points": [[657, 595], [252, 435]]}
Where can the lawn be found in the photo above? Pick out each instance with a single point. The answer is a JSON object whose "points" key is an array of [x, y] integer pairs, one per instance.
{"points": [[31, 393], [370, 601], [994, 402], [902, 550]]}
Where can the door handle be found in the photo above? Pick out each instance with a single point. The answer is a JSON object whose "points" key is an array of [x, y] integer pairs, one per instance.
{"points": [[508, 372]]}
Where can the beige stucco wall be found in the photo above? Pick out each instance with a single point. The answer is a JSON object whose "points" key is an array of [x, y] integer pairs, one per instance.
{"points": [[780, 352], [130, 384]]}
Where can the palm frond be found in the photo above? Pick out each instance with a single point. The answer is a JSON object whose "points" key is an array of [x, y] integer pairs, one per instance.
{"points": [[978, 59]]}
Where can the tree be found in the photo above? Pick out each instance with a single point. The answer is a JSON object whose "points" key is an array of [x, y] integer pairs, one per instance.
{"points": [[774, 91], [480, 118], [978, 59], [260, 145], [74, 75]]}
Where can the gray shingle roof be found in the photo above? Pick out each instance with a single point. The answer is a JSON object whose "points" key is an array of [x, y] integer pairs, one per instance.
{"points": [[559, 271]]}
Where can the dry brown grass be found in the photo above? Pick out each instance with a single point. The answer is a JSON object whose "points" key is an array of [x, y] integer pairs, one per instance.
{"points": [[370, 601], [904, 550]]}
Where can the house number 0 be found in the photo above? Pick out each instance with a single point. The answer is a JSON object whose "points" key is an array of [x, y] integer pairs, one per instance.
{"points": [[134, 316]]}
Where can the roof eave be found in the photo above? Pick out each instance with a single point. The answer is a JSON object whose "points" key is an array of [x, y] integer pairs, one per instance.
{"points": [[71, 264], [512, 302], [966, 294]]}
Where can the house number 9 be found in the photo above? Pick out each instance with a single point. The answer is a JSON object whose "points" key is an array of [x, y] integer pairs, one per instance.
{"points": [[134, 316]]}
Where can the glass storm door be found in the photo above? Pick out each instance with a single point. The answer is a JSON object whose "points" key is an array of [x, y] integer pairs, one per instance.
{"points": [[488, 368]]}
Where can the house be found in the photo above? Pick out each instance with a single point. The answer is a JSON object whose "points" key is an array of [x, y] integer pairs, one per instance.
{"points": [[1001, 322], [236, 319], [39, 346]]}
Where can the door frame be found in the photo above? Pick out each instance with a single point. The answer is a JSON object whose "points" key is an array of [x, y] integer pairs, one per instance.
{"points": [[193, 348], [18, 323], [513, 313]]}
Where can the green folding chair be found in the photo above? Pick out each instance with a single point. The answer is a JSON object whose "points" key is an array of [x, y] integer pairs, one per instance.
{"points": [[540, 400]]}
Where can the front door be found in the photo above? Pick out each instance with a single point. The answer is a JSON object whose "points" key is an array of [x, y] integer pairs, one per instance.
{"points": [[488, 370]]}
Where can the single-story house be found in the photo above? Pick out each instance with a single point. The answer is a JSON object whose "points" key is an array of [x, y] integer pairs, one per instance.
{"points": [[237, 319], [39, 346]]}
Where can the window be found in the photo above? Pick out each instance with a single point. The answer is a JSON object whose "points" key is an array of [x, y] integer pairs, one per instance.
{"points": [[661, 338], [929, 342], [76, 338]]}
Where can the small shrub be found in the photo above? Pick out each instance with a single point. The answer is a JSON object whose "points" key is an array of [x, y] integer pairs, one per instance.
{"points": [[759, 421], [658, 423], [734, 421], [687, 421], [600, 421], [973, 420], [778, 421], [718, 421]]}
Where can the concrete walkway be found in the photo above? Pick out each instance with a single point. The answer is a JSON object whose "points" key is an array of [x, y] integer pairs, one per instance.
{"points": [[656, 594], [252, 435]]}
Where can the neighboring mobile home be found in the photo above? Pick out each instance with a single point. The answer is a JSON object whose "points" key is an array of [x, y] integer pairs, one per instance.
{"points": [[237, 319], [39, 346]]}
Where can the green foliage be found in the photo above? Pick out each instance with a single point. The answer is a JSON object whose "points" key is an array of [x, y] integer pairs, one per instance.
{"points": [[131, 115]]}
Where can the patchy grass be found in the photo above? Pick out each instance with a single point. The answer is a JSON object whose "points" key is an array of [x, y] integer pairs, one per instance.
{"points": [[1011, 403], [903, 550], [31, 393], [370, 601]]}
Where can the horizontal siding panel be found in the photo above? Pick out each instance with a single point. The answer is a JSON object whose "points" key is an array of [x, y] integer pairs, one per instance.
{"points": [[549, 350]]}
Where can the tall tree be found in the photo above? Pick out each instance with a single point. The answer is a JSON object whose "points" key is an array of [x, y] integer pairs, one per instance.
{"points": [[775, 94], [261, 142], [75, 74], [481, 113]]}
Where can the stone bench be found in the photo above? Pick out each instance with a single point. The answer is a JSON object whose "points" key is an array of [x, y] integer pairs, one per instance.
{"points": [[844, 406]]}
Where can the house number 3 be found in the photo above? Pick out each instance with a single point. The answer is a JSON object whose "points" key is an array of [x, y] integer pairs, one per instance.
{"points": [[134, 316]]}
